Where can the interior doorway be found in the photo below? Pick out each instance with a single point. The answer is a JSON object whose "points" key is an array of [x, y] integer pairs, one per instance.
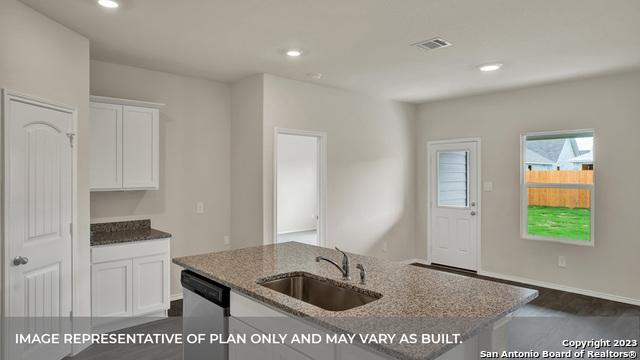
{"points": [[300, 181]]}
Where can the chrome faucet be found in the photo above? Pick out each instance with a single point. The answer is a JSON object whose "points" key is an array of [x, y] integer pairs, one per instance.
{"points": [[344, 269]]}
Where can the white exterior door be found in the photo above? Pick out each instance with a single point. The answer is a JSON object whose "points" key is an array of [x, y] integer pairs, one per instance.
{"points": [[38, 213], [453, 204]]}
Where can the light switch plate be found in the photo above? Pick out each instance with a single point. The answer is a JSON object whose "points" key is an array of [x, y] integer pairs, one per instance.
{"points": [[200, 207], [487, 186]]}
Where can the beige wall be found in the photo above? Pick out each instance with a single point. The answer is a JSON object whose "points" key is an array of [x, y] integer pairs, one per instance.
{"points": [[246, 162], [610, 105], [41, 58], [370, 160], [194, 159]]}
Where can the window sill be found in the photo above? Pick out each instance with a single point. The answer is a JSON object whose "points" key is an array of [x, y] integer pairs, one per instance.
{"points": [[589, 243]]}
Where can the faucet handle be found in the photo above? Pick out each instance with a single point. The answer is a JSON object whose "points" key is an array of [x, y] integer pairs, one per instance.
{"points": [[363, 273]]}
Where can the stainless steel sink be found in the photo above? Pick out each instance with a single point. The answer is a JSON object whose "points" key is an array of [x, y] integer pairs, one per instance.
{"points": [[321, 293]]}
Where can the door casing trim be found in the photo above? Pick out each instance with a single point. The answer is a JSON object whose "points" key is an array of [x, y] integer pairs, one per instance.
{"points": [[430, 144], [322, 184]]}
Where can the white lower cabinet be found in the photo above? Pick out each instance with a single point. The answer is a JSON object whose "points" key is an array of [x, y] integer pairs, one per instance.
{"points": [[150, 281], [251, 317], [259, 351], [246, 351], [111, 287], [129, 284]]}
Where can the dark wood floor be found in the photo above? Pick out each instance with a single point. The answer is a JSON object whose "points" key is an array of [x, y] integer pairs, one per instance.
{"points": [[176, 308], [549, 303]]}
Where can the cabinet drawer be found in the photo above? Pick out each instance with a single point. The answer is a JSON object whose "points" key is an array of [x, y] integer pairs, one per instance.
{"points": [[129, 250]]}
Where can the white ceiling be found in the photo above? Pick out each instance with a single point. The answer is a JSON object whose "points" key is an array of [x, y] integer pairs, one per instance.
{"points": [[363, 45]]}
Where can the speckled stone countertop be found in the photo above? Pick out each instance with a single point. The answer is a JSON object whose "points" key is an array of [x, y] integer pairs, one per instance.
{"points": [[414, 299], [124, 231]]}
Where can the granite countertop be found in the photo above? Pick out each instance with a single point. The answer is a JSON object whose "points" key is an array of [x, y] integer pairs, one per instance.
{"points": [[414, 299], [124, 231]]}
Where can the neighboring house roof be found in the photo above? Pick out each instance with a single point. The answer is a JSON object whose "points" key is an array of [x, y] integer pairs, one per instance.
{"points": [[549, 149], [586, 158], [533, 157]]}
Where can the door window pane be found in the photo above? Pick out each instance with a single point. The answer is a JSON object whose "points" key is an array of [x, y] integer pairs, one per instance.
{"points": [[453, 178]]}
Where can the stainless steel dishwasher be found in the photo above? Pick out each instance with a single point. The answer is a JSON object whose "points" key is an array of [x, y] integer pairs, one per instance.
{"points": [[205, 311]]}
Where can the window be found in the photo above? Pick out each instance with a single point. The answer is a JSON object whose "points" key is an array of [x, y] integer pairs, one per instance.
{"points": [[557, 186], [453, 178]]}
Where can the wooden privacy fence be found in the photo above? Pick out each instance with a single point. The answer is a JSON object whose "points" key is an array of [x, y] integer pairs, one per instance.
{"points": [[570, 198]]}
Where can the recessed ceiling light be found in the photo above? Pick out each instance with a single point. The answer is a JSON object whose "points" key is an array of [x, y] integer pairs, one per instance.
{"points": [[294, 53], [489, 67], [108, 4]]}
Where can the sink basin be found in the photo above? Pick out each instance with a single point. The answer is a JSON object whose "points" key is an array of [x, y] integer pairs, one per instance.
{"points": [[320, 292]]}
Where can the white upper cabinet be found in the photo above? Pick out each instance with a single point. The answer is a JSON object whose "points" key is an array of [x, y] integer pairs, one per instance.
{"points": [[106, 146], [140, 148], [125, 149]]}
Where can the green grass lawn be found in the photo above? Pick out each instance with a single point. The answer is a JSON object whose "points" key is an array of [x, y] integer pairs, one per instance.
{"points": [[560, 222]]}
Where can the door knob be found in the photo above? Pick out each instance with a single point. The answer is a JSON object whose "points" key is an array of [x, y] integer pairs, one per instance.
{"points": [[473, 213], [20, 260]]}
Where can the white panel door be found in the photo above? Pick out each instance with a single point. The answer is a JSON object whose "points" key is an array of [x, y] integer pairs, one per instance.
{"points": [[112, 290], [140, 149], [38, 213], [151, 284], [106, 147], [453, 204]]}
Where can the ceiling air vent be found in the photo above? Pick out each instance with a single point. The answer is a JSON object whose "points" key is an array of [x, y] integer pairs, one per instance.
{"points": [[432, 44]]}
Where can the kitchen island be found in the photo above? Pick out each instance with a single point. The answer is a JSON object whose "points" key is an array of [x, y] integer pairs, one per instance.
{"points": [[409, 299]]}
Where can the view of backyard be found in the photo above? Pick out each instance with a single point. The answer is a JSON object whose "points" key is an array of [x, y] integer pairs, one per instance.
{"points": [[559, 185], [559, 222]]}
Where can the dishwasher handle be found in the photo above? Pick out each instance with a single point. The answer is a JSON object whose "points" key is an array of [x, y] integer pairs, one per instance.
{"points": [[208, 289]]}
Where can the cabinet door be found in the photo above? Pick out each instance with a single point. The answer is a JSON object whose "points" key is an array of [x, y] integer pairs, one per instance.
{"points": [[353, 352], [248, 350], [106, 146], [151, 284], [282, 352], [140, 148], [111, 289]]}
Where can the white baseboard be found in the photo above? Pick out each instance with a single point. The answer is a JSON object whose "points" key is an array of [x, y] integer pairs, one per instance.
{"points": [[544, 284], [295, 231], [412, 261], [175, 297], [554, 286]]}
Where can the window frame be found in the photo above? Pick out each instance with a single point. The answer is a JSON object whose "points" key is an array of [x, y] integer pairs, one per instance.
{"points": [[525, 186]]}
